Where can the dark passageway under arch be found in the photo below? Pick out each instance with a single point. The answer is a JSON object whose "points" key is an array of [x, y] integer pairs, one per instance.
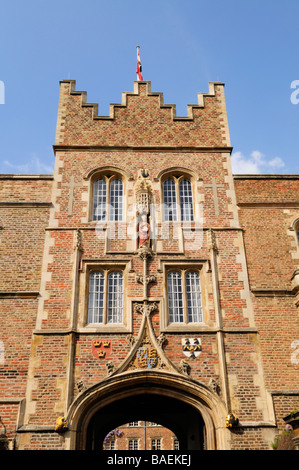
{"points": [[184, 420]]}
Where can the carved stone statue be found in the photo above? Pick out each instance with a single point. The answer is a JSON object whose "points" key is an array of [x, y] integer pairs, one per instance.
{"points": [[143, 231]]}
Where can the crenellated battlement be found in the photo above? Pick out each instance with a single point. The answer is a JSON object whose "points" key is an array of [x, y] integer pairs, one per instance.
{"points": [[142, 118]]}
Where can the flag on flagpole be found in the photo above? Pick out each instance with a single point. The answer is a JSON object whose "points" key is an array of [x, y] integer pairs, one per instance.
{"points": [[139, 66]]}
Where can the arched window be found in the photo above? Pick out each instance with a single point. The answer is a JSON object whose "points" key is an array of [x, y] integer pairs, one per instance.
{"points": [[105, 308], [184, 297], [107, 198], [178, 199]]}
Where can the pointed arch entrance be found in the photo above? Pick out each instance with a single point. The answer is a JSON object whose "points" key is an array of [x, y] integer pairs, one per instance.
{"points": [[191, 410]]}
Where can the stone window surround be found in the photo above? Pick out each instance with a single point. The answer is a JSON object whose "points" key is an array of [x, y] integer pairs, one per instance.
{"points": [[202, 267], [177, 177], [107, 266]]}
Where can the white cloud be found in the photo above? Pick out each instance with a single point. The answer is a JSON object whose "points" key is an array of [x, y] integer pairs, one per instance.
{"points": [[256, 163], [34, 166]]}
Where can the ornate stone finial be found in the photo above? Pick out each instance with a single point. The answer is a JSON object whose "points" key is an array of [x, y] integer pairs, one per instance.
{"points": [[131, 341], [184, 367], [81, 386], [161, 339], [110, 367], [214, 385], [212, 245], [79, 241], [62, 424]]}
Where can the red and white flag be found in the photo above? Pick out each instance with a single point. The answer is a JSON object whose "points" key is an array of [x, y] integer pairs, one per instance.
{"points": [[139, 66]]}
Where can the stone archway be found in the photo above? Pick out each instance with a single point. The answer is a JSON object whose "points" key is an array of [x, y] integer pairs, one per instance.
{"points": [[163, 397], [183, 420]]}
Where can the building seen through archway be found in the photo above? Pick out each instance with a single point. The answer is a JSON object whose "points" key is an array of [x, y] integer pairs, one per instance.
{"points": [[141, 435], [163, 424]]}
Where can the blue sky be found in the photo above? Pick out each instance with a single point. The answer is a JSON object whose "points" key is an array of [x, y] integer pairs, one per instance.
{"points": [[251, 46]]}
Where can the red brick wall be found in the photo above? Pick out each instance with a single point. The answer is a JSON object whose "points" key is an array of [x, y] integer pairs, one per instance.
{"points": [[24, 213], [268, 207]]}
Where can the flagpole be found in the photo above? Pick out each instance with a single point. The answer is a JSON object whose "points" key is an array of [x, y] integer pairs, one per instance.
{"points": [[137, 47], [139, 69]]}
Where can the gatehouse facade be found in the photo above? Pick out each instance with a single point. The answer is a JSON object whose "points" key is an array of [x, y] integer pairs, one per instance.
{"points": [[143, 281]]}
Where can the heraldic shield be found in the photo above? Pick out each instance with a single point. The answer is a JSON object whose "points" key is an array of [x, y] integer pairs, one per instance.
{"points": [[191, 347], [147, 357]]}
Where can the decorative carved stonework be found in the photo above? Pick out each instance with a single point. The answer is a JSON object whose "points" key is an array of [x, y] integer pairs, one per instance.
{"points": [[214, 385], [81, 386], [143, 192], [61, 425], [130, 340], [145, 252], [146, 309], [146, 356], [231, 420], [212, 245], [110, 367], [149, 279], [79, 241], [161, 339], [184, 367]]}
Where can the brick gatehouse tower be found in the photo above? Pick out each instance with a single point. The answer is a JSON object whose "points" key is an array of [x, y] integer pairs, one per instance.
{"points": [[143, 282]]}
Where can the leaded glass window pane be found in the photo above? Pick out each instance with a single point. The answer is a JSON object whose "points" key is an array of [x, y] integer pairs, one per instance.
{"points": [[156, 444], [115, 298], [99, 199], [110, 445], [193, 293], [116, 200], [186, 202], [96, 298], [175, 297], [169, 200], [133, 444]]}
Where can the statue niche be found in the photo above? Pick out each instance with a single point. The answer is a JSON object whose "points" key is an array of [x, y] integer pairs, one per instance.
{"points": [[144, 196]]}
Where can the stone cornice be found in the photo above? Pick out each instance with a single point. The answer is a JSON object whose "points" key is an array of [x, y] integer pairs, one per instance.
{"points": [[146, 148]]}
